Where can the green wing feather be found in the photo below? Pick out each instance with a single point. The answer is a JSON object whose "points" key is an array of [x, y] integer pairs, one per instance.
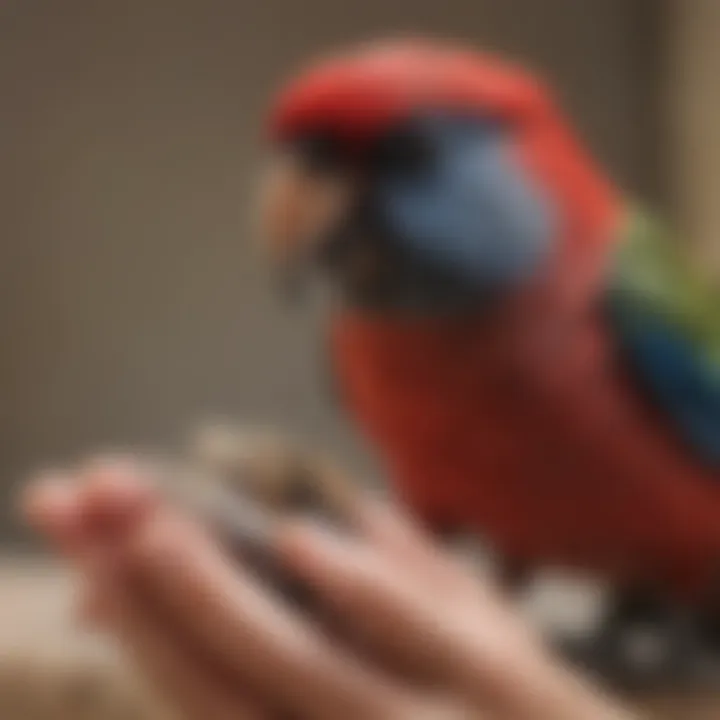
{"points": [[656, 276], [666, 317]]}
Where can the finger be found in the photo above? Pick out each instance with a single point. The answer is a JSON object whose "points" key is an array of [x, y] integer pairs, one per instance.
{"points": [[115, 493], [173, 668], [443, 638], [381, 605], [471, 644], [76, 509], [413, 551], [50, 505], [68, 508], [256, 637]]}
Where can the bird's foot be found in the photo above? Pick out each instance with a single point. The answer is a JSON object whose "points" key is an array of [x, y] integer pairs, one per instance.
{"points": [[649, 655]]}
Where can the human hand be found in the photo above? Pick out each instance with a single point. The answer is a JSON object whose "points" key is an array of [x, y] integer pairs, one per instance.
{"points": [[415, 635]]}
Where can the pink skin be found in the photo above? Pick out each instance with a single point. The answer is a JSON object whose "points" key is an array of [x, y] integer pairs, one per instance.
{"points": [[435, 642]]}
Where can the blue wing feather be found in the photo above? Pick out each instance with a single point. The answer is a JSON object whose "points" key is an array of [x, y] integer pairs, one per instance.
{"points": [[667, 323], [679, 379]]}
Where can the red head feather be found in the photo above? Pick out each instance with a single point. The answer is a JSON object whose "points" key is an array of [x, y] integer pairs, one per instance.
{"points": [[361, 94]]}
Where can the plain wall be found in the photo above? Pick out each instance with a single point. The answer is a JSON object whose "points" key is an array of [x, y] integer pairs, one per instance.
{"points": [[131, 303], [693, 111]]}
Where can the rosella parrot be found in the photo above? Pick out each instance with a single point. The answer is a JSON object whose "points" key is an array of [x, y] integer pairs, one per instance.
{"points": [[534, 358]]}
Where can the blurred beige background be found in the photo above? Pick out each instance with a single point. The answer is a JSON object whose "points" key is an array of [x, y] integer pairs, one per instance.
{"points": [[131, 303], [693, 109]]}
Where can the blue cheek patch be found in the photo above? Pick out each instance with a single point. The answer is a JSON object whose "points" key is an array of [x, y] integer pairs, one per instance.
{"points": [[475, 212]]}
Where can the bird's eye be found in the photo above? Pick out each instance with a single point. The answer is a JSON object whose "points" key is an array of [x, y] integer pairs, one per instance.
{"points": [[405, 151], [319, 153]]}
